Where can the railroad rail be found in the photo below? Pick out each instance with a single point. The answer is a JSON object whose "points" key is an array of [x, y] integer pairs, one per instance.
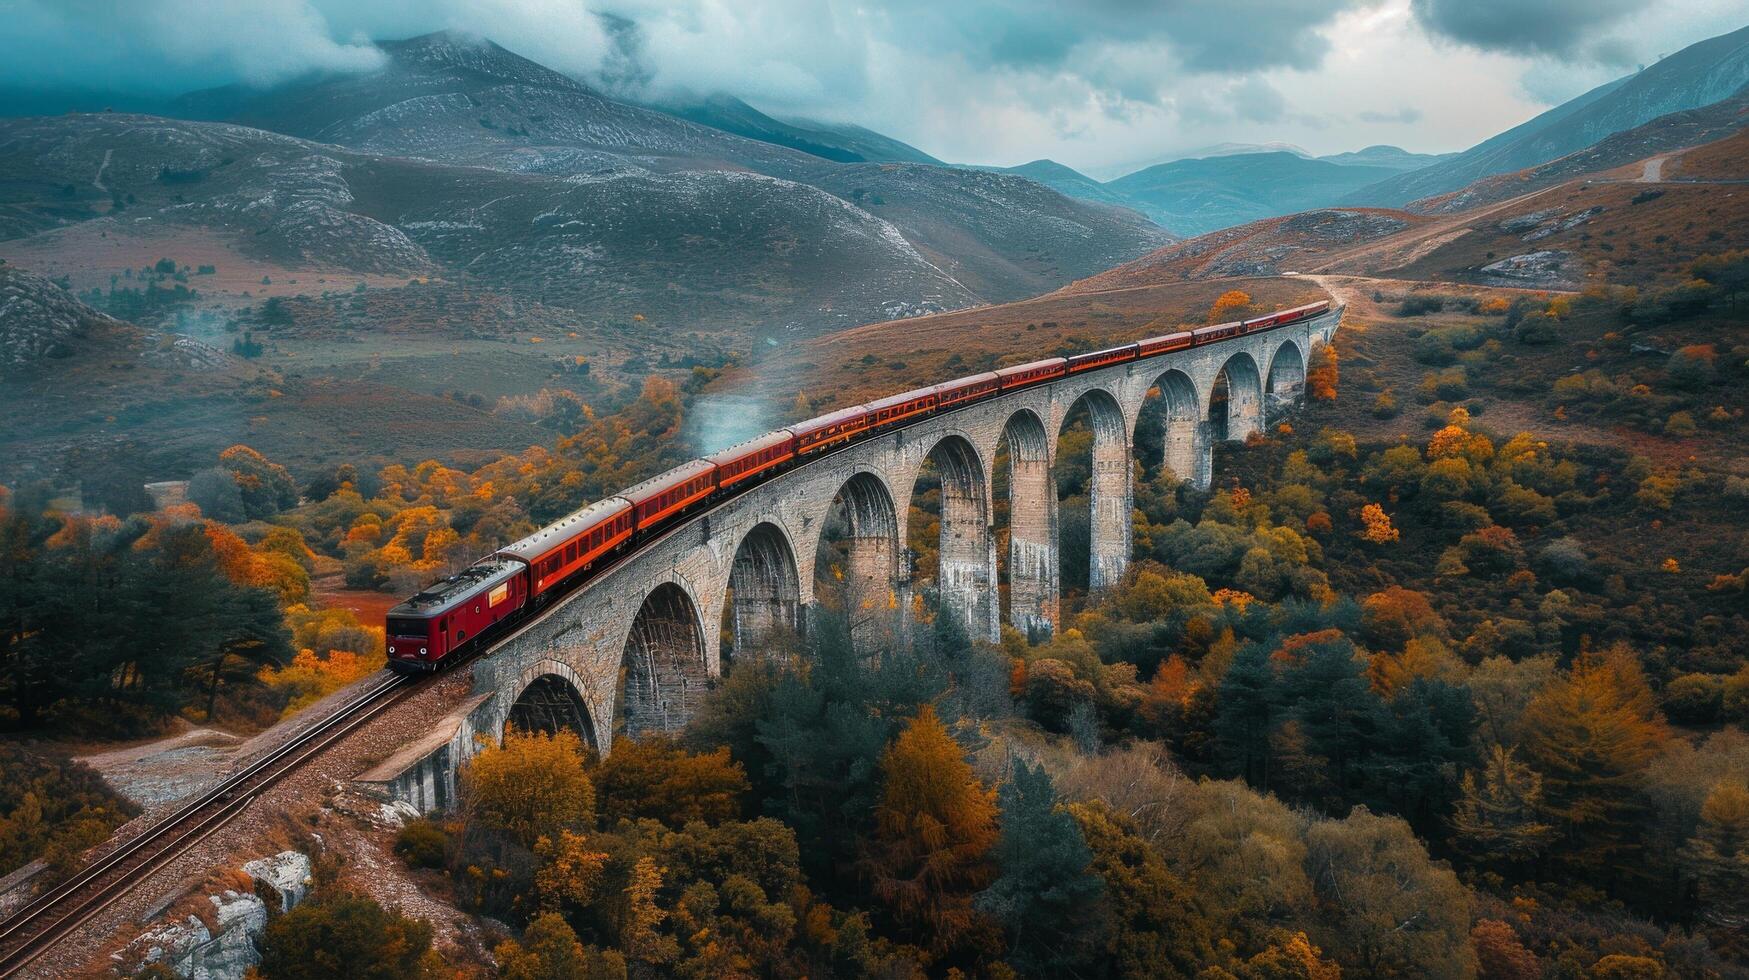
{"points": [[48, 918]]}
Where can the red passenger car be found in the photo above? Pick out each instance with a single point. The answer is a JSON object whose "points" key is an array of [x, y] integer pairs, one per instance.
{"points": [[1166, 344], [896, 408], [1220, 331], [1021, 375], [956, 393], [452, 614], [671, 494], [755, 458], [573, 544], [826, 431], [1102, 358]]}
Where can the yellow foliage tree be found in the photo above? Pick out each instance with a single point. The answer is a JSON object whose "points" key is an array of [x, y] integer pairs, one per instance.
{"points": [[531, 786]]}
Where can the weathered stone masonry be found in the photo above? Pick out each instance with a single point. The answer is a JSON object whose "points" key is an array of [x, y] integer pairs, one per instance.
{"points": [[633, 650]]}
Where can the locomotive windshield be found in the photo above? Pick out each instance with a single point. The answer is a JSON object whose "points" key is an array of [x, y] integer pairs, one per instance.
{"points": [[407, 627]]}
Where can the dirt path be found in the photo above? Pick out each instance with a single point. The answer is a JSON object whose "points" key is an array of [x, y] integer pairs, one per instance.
{"points": [[97, 181], [1654, 170], [1405, 247]]}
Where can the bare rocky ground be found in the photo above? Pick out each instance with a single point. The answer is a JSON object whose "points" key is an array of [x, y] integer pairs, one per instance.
{"points": [[313, 809]]}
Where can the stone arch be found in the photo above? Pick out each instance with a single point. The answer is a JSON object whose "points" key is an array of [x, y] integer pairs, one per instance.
{"points": [[551, 702], [764, 589], [662, 669], [1032, 525], [1236, 399], [1286, 380], [1187, 450], [965, 579], [863, 521], [1109, 488]]}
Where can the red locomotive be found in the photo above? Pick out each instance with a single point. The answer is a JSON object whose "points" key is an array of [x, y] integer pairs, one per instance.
{"points": [[476, 605]]}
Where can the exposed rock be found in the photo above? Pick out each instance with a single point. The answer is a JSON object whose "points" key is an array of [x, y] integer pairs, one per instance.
{"points": [[287, 873], [223, 951], [1525, 222], [39, 320], [1535, 269]]}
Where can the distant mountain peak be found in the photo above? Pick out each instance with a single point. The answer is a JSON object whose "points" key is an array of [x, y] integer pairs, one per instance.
{"points": [[474, 54]]}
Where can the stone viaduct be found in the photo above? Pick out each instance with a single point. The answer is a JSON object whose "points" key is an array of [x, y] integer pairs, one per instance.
{"points": [[633, 650]]}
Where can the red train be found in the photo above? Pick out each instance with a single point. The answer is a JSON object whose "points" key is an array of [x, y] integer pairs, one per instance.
{"points": [[477, 604]]}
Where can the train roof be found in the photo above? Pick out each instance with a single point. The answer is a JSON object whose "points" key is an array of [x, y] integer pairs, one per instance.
{"points": [[564, 529], [1199, 331], [830, 418], [763, 441], [662, 481], [969, 379], [898, 399], [1165, 336], [1031, 366], [440, 597], [1120, 348]]}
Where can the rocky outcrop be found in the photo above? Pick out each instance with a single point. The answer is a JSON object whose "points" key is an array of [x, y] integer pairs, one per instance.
{"points": [[1545, 269], [39, 320], [220, 943]]}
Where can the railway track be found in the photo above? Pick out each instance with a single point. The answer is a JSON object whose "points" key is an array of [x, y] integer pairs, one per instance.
{"points": [[32, 930]]}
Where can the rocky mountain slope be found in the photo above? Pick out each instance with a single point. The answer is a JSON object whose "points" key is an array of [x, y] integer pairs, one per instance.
{"points": [[1698, 75], [1261, 248], [1197, 196], [462, 101], [836, 142], [40, 321], [718, 249]]}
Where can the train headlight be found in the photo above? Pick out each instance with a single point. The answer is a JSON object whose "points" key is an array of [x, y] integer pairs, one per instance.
{"points": [[422, 651], [391, 648]]}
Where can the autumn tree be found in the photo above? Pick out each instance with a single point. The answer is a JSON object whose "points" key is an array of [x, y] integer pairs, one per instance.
{"points": [[346, 936], [1591, 734], [1323, 373], [1153, 921], [1498, 818], [1376, 526], [654, 777], [530, 786], [933, 833], [1718, 857], [1045, 897], [549, 950], [1500, 954], [1389, 910], [266, 487], [1231, 305]]}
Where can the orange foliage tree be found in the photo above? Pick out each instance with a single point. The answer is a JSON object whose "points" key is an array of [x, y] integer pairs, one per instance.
{"points": [[1323, 373], [1231, 305], [656, 778], [934, 829], [1377, 528], [1591, 734]]}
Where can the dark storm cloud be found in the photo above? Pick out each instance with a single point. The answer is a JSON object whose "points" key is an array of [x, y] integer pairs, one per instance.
{"points": [[1566, 29]]}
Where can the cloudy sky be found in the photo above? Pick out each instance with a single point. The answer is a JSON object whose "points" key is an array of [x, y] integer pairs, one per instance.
{"points": [[1102, 85]]}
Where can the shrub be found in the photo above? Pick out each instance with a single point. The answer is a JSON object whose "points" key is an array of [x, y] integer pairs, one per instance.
{"points": [[422, 844], [1694, 699], [1385, 406], [1421, 304]]}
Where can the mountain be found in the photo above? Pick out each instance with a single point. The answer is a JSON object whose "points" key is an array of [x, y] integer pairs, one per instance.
{"points": [[1197, 196], [458, 100], [1698, 75], [713, 250], [838, 143], [1391, 157], [1062, 179]]}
